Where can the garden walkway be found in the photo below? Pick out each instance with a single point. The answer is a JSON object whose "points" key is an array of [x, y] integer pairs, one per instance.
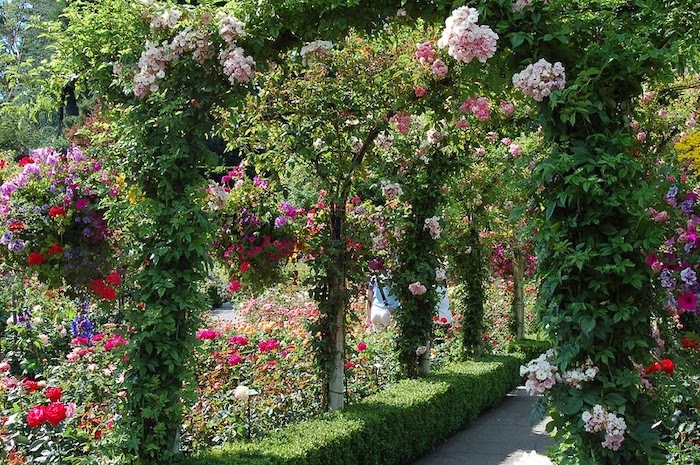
{"points": [[499, 436]]}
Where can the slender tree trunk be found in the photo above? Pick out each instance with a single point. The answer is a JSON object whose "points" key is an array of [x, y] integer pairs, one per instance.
{"points": [[519, 294], [424, 361], [336, 385], [337, 300]]}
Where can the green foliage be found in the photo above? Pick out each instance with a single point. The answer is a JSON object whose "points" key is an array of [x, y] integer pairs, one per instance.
{"points": [[530, 348], [387, 428]]}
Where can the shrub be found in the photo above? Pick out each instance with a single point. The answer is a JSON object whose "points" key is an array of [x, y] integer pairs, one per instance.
{"points": [[386, 428]]}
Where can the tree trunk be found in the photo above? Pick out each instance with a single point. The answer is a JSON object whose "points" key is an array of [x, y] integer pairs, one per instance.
{"points": [[336, 385], [424, 361], [519, 294]]}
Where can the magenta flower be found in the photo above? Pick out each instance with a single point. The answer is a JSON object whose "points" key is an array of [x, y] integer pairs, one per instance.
{"points": [[688, 301], [207, 334], [268, 345], [238, 340], [234, 360]]}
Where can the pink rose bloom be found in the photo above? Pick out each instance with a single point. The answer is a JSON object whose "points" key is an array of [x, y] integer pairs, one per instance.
{"points": [[361, 346], [515, 150], [419, 91], [642, 136], [417, 288], [4, 366], [234, 360], [462, 123]]}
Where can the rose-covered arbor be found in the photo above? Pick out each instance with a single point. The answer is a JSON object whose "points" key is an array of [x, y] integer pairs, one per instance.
{"points": [[589, 198]]}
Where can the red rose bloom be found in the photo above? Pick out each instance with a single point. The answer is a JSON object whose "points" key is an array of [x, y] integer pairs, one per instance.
{"points": [[114, 278], [245, 266], [55, 413], [653, 368], [55, 249], [36, 258], [30, 385], [36, 416], [234, 286], [667, 365], [56, 211], [361, 346], [54, 394], [25, 161]]}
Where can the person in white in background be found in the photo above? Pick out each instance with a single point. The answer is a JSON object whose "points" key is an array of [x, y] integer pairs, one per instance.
{"points": [[442, 310], [381, 302]]}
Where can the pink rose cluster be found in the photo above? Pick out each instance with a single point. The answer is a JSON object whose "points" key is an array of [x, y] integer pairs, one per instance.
{"points": [[432, 224], [599, 420], [465, 39], [477, 106], [540, 79], [153, 61], [425, 55], [402, 122], [391, 191], [541, 374]]}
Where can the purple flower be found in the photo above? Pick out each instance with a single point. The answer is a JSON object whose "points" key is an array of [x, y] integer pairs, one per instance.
{"points": [[16, 245], [280, 221], [688, 276], [672, 192], [81, 203], [687, 206], [667, 280], [6, 237]]}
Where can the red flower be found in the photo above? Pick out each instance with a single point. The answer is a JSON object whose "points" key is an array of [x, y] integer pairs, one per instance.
{"points": [[55, 249], [361, 346], [56, 211], [25, 161], [106, 292], [245, 266], [234, 286], [30, 385], [691, 342], [54, 394], [653, 368], [667, 365], [36, 258], [114, 278], [36, 416], [688, 301], [55, 413], [16, 226]]}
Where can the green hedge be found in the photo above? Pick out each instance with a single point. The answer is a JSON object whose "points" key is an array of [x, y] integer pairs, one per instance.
{"points": [[394, 426], [530, 348]]}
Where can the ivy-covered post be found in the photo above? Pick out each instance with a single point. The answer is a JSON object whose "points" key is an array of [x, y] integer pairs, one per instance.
{"points": [[169, 72], [468, 269], [519, 292]]}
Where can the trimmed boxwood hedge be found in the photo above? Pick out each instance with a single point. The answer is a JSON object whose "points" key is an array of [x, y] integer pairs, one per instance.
{"points": [[392, 427]]}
